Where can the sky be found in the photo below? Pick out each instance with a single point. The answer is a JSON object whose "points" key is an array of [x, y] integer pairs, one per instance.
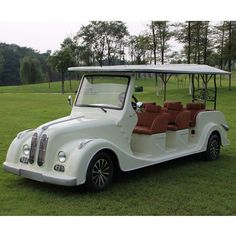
{"points": [[44, 24], [43, 36]]}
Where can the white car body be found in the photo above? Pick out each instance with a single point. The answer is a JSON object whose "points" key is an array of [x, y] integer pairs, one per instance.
{"points": [[86, 131]]}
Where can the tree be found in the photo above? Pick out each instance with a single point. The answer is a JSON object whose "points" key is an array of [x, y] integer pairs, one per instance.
{"points": [[140, 48], [219, 42], [160, 35], [61, 60], [229, 46], [1, 62], [183, 34], [11, 55], [104, 40], [30, 70]]}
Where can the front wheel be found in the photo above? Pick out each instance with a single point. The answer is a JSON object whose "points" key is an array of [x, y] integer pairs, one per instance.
{"points": [[213, 148], [100, 172]]}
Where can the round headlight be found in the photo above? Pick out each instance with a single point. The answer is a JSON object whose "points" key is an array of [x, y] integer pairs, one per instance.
{"points": [[26, 149], [61, 156]]}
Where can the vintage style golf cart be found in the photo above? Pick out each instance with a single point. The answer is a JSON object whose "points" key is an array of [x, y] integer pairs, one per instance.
{"points": [[109, 128]]}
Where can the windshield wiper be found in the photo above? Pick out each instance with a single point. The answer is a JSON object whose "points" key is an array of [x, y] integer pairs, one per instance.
{"points": [[103, 109]]}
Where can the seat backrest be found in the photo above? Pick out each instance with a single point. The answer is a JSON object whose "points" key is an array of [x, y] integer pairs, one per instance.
{"points": [[195, 108], [147, 117], [173, 109], [160, 123], [183, 120], [145, 104], [172, 102]]}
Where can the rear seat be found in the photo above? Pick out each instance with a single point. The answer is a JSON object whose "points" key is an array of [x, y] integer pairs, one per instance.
{"points": [[152, 120], [194, 108], [173, 109], [181, 122]]}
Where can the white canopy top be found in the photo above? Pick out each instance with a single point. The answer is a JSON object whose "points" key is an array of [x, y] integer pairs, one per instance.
{"points": [[169, 69]]}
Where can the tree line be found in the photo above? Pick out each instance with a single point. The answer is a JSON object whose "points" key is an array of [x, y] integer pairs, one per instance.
{"points": [[110, 43], [21, 65]]}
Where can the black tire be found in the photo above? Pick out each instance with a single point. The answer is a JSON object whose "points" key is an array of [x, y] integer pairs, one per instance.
{"points": [[100, 172], [213, 148]]}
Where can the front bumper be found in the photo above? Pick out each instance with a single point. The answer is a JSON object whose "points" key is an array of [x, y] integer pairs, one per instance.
{"points": [[41, 177]]}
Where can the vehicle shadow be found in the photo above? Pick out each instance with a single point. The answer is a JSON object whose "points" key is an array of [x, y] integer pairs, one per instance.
{"points": [[157, 168], [122, 178]]}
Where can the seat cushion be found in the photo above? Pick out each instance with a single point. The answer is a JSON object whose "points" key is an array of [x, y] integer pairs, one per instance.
{"points": [[172, 127], [142, 130]]}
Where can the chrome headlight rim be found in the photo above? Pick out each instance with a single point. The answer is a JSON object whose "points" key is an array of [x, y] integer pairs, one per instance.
{"points": [[26, 149], [61, 156]]}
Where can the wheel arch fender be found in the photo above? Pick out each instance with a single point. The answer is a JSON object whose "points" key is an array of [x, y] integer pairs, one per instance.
{"points": [[80, 158], [209, 129]]}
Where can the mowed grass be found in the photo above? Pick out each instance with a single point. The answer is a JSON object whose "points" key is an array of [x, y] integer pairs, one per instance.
{"points": [[187, 186]]}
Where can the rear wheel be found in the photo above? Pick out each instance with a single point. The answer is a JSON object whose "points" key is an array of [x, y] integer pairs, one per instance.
{"points": [[100, 172], [213, 148]]}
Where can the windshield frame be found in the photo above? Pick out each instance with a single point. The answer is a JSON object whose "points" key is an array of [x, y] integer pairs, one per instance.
{"points": [[103, 75]]}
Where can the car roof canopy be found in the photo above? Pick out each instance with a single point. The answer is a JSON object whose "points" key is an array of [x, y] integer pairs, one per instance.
{"points": [[166, 71], [162, 69]]}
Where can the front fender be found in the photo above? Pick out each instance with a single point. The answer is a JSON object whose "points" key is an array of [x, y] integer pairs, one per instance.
{"points": [[79, 158]]}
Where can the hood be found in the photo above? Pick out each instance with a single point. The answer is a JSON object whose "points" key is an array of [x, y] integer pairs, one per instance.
{"points": [[71, 124]]}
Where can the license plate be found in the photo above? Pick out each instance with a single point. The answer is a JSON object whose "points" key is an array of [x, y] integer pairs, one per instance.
{"points": [[24, 160]]}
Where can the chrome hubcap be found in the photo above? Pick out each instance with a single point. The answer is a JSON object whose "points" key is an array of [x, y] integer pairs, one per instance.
{"points": [[101, 172]]}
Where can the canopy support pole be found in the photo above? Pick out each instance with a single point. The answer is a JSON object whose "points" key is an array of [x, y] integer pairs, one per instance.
{"points": [[193, 98], [215, 91], [165, 81]]}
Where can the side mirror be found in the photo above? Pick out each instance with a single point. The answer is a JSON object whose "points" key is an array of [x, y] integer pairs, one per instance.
{"points": [[69, 100]]}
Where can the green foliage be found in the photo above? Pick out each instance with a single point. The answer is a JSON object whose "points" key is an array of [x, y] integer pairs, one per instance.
{"points": [[104, 40], [61, 60], [160, 35], [30, 70], [140, 49], [1, 62], [10, 57]]}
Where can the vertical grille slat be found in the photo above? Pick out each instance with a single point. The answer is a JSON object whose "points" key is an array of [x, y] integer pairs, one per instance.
{"points": [[33, 148], [42, 149]]}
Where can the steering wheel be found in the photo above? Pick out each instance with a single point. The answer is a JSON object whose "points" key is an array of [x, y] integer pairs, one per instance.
{"points": [[134, 103]]}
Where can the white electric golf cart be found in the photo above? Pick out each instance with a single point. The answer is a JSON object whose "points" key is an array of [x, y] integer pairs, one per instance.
{"points": [[109, 128]]}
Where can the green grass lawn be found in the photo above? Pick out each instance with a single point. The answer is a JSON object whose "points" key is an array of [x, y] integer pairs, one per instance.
{"points": [[187, 186]]}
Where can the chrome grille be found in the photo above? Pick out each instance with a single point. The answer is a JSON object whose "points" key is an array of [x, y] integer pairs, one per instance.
{"points": [[42, 149], [33, 148]]}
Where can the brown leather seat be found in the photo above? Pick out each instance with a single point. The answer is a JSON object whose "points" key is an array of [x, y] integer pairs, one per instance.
{"points": [[151, 121], [194, 108], [145, 104], [172, 102], [182, 121], [173, 109]]}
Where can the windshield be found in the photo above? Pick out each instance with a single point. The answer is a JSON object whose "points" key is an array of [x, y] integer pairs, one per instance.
{"points": [[104, 91]]}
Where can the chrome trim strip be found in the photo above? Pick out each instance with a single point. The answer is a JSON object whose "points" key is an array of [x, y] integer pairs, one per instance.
{"points": [[226, 127], [42, 149], [58, 122], [33, 148]]}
